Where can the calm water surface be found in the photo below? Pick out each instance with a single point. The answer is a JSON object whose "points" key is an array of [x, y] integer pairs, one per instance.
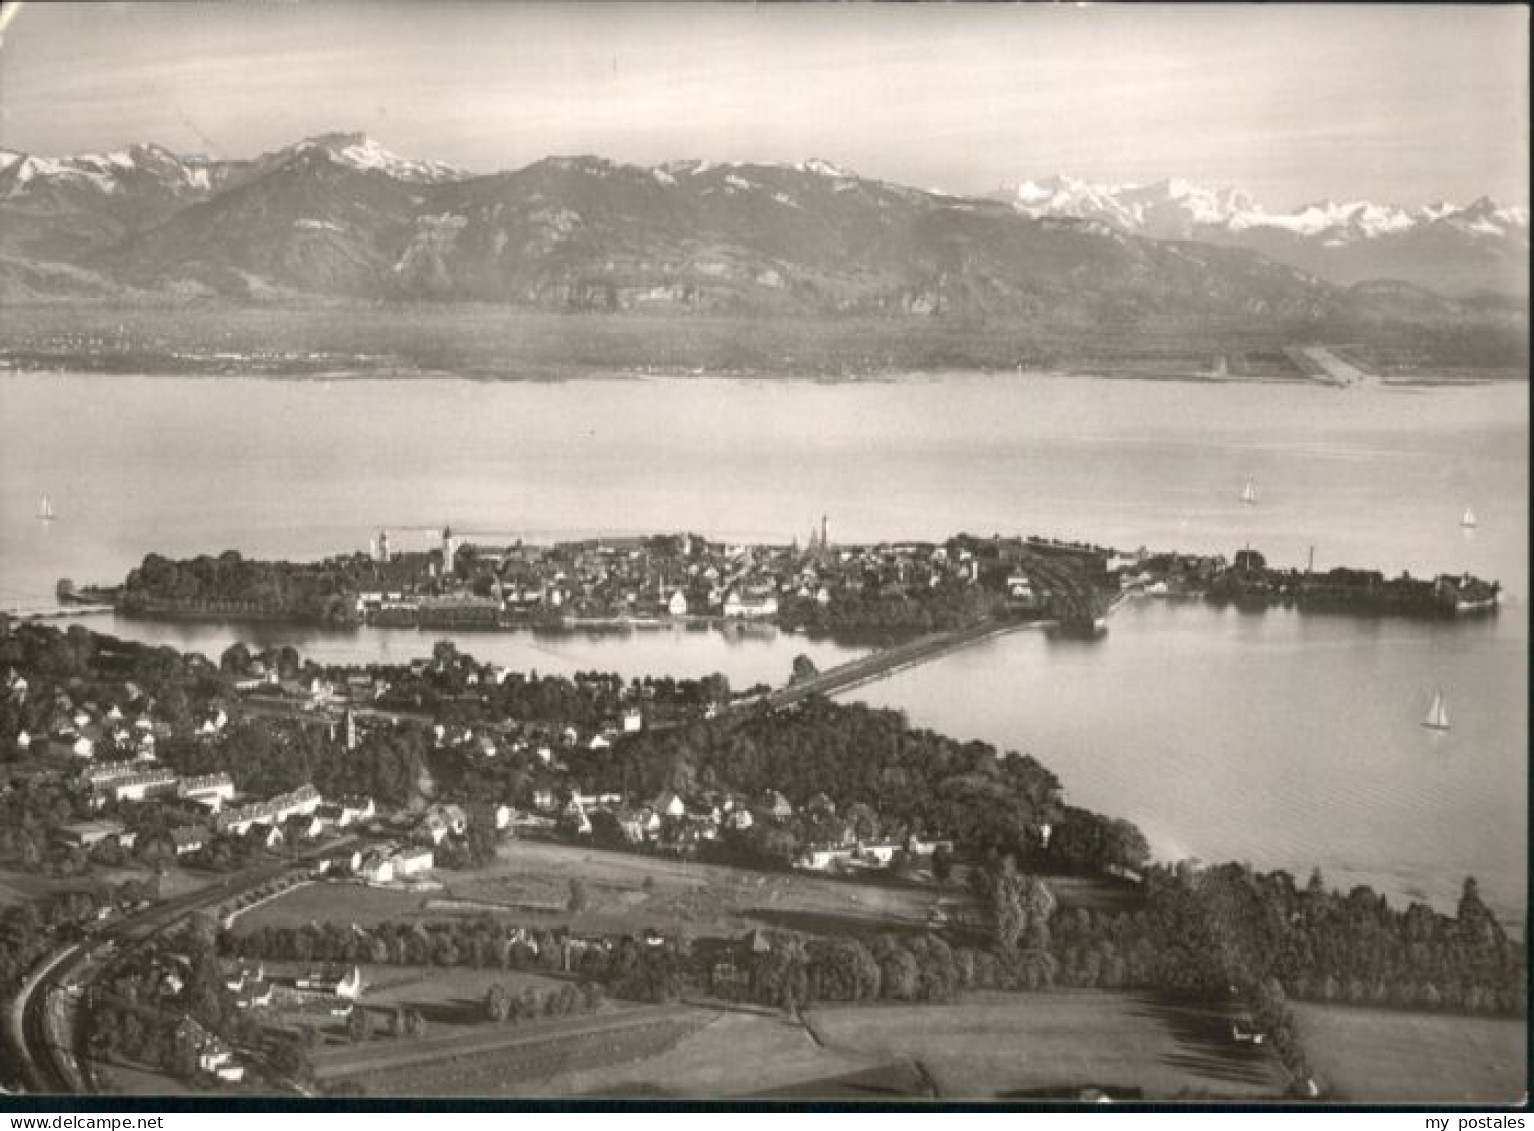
{"points": [[1282, 740]]}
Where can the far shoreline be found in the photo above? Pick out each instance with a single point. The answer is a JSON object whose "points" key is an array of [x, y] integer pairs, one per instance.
{"points": [[1425, 382]]}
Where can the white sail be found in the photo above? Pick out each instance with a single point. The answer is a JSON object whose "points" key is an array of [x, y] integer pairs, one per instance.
{"points": [[1249, 493], [45, 509], [1469, 518], [1437, 714]]}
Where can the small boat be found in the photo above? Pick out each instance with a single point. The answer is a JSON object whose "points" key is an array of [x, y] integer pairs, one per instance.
{"points": [[1468, 519], [1437, 714], [45, 510], [1249, 494]]}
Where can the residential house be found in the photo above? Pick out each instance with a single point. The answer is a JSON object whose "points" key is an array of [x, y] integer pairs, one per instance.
{"points": [[186, 839], [776, 805], [355, 808], [376, 868], [127, 782], [344, 982], [628, 824], [237, 819], [236, 979], [211, 790], [877, 852], [345, 861], [254, 994], [70, 745], [412, 862], [440, 822], [265, 835], [824, 857], [85, 834], [649, 822], [301, 827], [214, 724]]}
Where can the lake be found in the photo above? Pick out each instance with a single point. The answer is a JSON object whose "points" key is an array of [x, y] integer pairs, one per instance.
{"points": [[1284, 740]]}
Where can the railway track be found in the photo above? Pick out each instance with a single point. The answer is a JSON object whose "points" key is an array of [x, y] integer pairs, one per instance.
{"points": [[41, 1023]]}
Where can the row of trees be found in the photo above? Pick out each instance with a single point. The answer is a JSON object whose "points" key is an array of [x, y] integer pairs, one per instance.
{"points": [[480, 941], [1203, 931], [460, 689], [398, 1023], [504, 1006]]}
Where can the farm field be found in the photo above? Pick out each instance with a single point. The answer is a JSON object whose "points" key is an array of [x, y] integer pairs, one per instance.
{"points": [[986, 1046], [339, 903], [738, 1053], [1384, 1055], [506, 1060], [530, 884], [450, 1000], [996, 1045], [532, 878]]}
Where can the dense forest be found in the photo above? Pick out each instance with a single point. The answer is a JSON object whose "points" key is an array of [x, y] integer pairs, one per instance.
{"points": [[230, 585], [915, 781]]}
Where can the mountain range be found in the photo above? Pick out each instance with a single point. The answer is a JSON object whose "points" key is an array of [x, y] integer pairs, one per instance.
{"points": [[340, 216], [1478, 248]]}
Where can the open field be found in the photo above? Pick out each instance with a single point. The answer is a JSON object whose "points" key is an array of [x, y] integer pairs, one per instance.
{"points": [[993, 1045], [1395, 1056], [530, 884], [533, 877], [985, 1046], [738, 1053], [509, 1060], [340, 903]]}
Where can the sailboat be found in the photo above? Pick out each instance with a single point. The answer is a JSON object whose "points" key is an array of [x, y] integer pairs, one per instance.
{"points": [[1249, 494], [1437, 714], [45, 510], [1468, 519]]}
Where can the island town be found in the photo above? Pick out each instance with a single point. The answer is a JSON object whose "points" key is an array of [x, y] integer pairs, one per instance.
{"points": [[876, 591]]}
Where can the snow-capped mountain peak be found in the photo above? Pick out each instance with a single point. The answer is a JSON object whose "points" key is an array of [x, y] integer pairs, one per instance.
{"points": [[359, 151], [1179, 208], [824, 168]]}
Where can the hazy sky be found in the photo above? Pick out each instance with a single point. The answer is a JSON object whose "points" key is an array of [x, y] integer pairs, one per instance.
{"points": [[1402, 104]]}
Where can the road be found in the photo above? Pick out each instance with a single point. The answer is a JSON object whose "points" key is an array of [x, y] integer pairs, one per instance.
{"points": [[379, 1056]]}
